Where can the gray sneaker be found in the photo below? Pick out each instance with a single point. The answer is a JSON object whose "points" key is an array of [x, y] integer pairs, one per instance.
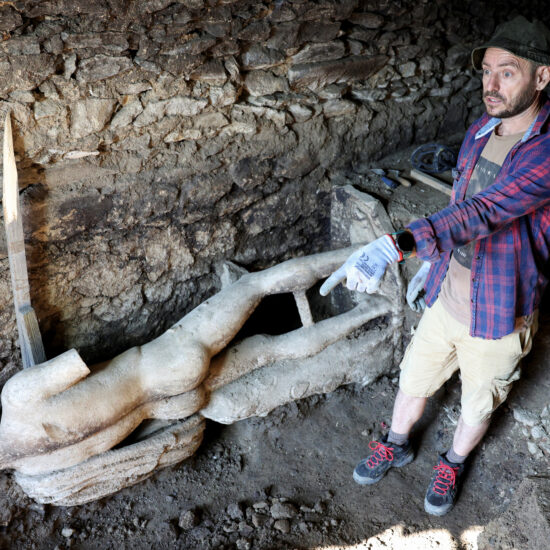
{"points": [[383, 457], [443, 488]]}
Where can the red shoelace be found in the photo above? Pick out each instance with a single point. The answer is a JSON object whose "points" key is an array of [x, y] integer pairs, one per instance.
{"points": [[381, 453], [446, 478]]}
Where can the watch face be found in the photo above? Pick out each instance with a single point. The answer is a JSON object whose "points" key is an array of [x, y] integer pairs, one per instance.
{"points": [[405, 241]]}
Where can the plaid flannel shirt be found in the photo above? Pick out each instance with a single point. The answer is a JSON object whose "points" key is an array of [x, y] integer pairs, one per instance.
{"points": [[510, 223]]}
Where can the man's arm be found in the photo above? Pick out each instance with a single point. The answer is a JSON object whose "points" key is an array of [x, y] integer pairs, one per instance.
{"points": [[523, 190]]}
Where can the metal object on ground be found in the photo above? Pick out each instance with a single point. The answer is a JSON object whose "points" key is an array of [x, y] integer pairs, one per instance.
{"points": [[381, 173], [396, 175], [30, 341], [433, 158]]}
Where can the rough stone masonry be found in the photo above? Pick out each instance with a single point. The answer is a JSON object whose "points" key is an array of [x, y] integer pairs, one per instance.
{"points": [[157, 138]]}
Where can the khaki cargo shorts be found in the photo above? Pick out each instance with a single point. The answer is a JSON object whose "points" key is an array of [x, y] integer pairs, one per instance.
{"points": [[441, 346]]}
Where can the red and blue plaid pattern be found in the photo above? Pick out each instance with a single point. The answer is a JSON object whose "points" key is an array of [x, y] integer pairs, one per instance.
{"points": [[510, 222]]}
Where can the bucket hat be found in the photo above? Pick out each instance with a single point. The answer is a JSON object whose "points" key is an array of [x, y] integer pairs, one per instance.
{"points": [[526, 39]]}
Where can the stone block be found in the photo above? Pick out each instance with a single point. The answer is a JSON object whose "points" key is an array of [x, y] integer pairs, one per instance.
{"points": [[104, 42], [300, 112], [312, 53], [249, 172], [318, 32], [127, 114], [211, 72], [338, 107], [321, 74], [368, 20], [260, 57], [9, 18], [100, 67], [264, 83], [89, 116], [284, 36], [20, 45], [47, 108], [257, 31], [193, 46]]}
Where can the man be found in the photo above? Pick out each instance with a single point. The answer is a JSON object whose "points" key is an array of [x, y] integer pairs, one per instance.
{"points": [[485, 262]]}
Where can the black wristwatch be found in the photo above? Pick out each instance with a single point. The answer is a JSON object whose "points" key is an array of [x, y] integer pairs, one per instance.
{"points": [[404, 243]]}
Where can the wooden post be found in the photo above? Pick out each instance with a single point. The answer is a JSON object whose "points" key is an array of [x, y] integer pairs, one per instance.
{"points": [[30, 340]]}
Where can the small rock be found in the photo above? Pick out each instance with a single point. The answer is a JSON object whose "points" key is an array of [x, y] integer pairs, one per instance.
{"points": [[533, 449], [258, 520], [188, 519], [282, 525], [538, 432], [201, 533], [243, 544], [260, 505], [234, 511], [5, 515], [319, 507], [282, 510], [525, 417], [244, 529], [231, 527], [67, 532]]}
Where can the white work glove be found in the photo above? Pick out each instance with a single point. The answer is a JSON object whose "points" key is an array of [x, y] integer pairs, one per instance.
{"points": [[364, 269], [415, 296]]}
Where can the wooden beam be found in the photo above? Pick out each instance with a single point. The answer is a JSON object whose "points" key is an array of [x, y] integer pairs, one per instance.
{"points": [[436, 183]]}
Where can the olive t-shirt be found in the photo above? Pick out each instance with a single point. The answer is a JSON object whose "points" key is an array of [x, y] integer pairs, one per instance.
{"points": [[455, 290]]}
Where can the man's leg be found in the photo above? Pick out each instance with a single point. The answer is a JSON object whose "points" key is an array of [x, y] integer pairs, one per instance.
{"points": [[394, 450], [467, 437], [443, 488], [407, 410], [429, 361], [488, 368]]}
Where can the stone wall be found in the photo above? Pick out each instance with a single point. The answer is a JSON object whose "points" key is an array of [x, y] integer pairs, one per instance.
{"points": [[156, 138]]}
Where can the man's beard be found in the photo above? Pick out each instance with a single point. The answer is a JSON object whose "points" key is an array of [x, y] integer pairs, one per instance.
{"points": [[523, 102]]}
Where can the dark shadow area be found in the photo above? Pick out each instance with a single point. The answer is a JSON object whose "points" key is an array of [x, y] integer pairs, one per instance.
{"points": [[276, 314]]}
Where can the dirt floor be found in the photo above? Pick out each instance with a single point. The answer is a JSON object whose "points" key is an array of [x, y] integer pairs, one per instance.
{"points": [[284, 481]]}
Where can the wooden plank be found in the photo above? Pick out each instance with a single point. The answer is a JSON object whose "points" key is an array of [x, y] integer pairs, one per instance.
{"points": [[431, 181], [30, 340]]}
